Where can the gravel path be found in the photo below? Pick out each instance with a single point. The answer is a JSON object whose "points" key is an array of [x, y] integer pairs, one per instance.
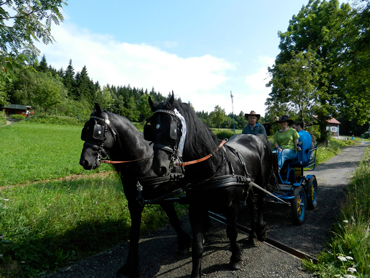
{"points": [[159, 259]]}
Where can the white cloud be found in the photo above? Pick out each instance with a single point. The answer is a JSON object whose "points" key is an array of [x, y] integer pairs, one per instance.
{"points": [[256, 90], [195, 79]]}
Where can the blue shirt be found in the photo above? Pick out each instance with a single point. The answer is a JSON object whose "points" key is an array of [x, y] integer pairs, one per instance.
{"points": [[306, 140]]}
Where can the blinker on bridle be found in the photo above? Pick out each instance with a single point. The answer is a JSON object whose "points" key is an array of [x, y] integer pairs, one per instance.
{"points": [[174, 127], [99, 132]]}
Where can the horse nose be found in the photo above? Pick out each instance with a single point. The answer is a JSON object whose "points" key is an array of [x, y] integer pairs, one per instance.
{"points": [[162, 171], [84, 163]]}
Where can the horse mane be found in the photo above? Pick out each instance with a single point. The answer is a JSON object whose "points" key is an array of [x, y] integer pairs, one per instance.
{"points": [[200, 140]]}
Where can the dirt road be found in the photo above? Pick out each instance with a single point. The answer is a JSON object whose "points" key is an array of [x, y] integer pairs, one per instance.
{"points": [[159, 259]]}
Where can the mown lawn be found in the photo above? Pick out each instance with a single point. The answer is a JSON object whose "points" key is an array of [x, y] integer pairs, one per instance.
{"points": [[34, 152]]}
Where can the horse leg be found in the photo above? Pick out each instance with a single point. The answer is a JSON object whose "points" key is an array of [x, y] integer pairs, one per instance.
{"points": [[251, 201], [131, 267], [261, 230], [197, 217], [232, 234], [183, 239]]}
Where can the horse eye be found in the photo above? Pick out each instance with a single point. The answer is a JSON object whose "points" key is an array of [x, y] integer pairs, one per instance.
{"points": [[158, 126]]}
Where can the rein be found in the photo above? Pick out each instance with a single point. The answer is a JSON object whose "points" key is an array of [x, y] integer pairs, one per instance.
{"points": [[121, 162], [201, 159]]}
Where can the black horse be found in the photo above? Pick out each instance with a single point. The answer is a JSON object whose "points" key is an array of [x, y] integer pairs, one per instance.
{"points": [[108, 134], [222, 177]]}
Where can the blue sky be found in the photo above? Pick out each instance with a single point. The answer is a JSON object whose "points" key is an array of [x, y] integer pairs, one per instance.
{"points": [[201, 50]]}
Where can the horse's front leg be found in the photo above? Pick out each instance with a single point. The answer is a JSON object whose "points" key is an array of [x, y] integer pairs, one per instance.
{"points": [[131, 267], [183, 239], [232, 234], [198, 220]]}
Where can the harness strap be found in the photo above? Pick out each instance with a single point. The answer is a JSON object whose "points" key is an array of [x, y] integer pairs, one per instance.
{"points": [[201, 159], [119, 162]]}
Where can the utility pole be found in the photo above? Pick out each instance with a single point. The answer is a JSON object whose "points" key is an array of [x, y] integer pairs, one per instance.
{"points": [[232, 107]]}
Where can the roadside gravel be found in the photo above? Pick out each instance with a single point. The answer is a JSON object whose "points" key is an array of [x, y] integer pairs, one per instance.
{"points": [[158, 250]]}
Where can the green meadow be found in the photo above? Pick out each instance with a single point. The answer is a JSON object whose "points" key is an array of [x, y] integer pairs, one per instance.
{"points": [[35, 152]]}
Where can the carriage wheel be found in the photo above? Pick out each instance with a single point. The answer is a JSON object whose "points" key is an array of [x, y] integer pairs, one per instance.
{"points": [[298, 207], [312, 191]]}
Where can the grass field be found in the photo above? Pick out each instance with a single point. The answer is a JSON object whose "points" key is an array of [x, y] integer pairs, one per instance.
{"points": [[34, 152]]}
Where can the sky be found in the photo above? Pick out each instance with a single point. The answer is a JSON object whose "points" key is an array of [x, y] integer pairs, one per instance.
{"points": [[200, 49]]}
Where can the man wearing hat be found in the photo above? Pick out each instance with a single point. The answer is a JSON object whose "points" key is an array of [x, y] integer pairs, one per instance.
{"points": [[286, 141], [253, 127], [305, 141]]}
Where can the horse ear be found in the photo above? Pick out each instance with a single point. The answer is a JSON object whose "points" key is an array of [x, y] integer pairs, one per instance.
{"points": [[97, 108], [151, 103], [172, 99]]}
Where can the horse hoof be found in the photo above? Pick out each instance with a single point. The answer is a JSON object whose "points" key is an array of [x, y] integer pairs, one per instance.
{"points": [[262, 236], [252, 241], [125, 271], [235, 265]]}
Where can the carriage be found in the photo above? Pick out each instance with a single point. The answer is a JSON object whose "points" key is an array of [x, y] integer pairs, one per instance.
{"points": [[296, 188]]}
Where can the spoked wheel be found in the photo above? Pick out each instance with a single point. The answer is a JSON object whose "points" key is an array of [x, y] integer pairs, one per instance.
{"points": [[299, 203], [312, 191]]}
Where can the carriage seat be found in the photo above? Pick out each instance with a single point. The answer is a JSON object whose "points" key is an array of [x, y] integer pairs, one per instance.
{"points": [[299, 162]]}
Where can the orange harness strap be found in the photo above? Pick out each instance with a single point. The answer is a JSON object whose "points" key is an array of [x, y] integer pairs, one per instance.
{"points": [[119, 162], [203, 158]]}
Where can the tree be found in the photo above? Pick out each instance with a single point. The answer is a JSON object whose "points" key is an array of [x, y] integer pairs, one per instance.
{"points": [[22, 23], [48, 92], [43, 65], [322, 27], [218, 116], [69, 80], [296, 82], [143, 106]]}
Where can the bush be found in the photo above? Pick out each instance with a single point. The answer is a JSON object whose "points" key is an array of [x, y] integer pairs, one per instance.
{"points": [[224, 134], [17, 117], [57, 120]]}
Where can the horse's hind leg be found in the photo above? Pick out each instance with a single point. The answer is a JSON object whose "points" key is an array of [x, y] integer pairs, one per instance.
{"points": [[183, 239], [251, 201], [261, 225], [232, 234], [197, 217]]}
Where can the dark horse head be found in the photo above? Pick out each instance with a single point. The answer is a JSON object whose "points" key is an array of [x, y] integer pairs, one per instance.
{"points": [[220, 176], [178, 135], [111, 136]]}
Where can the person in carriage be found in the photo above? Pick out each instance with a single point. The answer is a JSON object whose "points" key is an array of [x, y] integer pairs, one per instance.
{"points": [[253, 127], [305, 142], [285, 141]]}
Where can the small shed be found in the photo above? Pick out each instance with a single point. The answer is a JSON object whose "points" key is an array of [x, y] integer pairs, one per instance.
{"points": [[17, 109], [333, 126]]}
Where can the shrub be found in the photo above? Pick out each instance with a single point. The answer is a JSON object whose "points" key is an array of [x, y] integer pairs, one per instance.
{"points": [[224, 134], [17, 117]]}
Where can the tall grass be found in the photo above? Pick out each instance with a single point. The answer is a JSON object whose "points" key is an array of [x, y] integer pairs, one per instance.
{"points": [[34, 152], [47, 225], [348, 252]]}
